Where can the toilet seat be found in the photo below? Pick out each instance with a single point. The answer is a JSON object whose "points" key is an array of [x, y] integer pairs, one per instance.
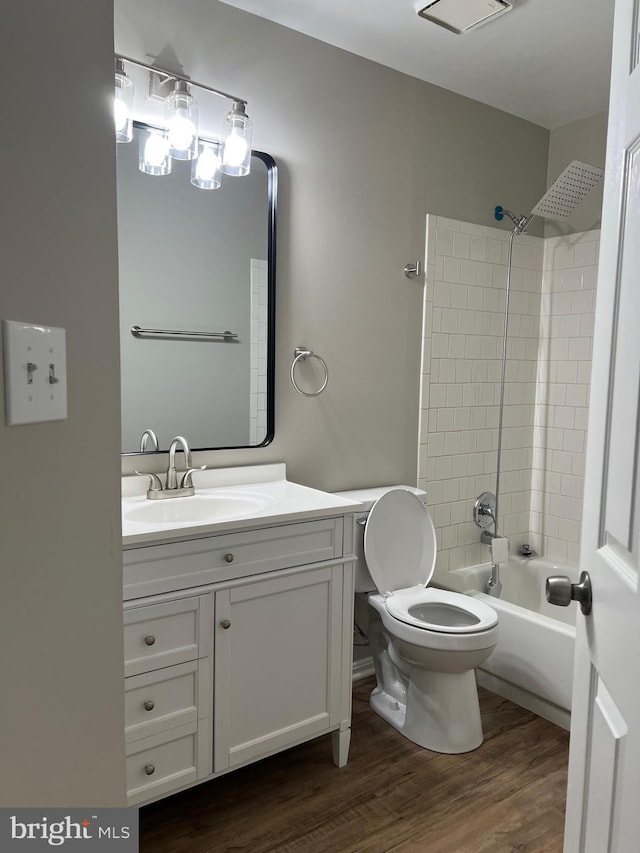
{"points": [[400, 550], [440, 610]]}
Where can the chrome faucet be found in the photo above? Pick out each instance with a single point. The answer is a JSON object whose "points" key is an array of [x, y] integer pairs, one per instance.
{"points": [[157, 491], [149, 435], [172, 476]]}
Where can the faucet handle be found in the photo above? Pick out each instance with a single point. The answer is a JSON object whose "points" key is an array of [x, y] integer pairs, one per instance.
{"points": [[186, 482], [155, 483]]}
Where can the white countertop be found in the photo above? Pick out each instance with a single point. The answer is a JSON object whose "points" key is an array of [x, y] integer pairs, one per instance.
{"points": [[240, 498]]}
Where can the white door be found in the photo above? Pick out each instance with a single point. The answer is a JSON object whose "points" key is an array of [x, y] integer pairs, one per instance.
{"points": [[603, 798]]}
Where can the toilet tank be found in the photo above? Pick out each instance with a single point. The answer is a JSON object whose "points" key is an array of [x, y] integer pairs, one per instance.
{"points": [[367, 497]]}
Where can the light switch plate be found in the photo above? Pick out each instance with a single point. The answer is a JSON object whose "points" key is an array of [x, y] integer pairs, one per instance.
{"points": [[35, 373]]}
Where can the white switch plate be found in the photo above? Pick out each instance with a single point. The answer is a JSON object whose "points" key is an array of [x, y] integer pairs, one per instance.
{"points": [[35, 373]]}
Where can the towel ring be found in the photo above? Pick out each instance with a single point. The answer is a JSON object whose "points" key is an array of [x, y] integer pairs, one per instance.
{"points": [[300, 354]]}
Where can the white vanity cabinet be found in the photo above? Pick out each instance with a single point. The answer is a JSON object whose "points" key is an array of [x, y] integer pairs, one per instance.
{"points": [[168, 662], [237, 645]]}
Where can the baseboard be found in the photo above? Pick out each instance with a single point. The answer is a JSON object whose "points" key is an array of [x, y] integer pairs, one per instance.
{"points": [[362, 668], [547, 710]]}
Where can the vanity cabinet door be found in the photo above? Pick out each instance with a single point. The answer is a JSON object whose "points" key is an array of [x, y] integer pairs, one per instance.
{"points": [[277, 664]]}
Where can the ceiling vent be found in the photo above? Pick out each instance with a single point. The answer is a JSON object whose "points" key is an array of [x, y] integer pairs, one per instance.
{"points": [[459, 16]]}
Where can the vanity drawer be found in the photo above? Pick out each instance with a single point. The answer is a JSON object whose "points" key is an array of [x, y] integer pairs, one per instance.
{"points": [[163, 763], [165, 698], [178, 565], [160, 635]]}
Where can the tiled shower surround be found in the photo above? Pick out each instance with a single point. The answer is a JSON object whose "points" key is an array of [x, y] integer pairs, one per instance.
{"points": [[546, 389]]}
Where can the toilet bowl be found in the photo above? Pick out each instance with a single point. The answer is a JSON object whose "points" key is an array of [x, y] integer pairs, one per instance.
{"points": [[425, 642]]}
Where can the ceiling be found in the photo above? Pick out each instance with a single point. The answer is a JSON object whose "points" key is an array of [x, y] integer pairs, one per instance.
{"points": [[546, 61]]}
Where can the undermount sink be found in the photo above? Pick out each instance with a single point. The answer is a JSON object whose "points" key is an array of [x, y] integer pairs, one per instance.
{"points": [[197, 508]]}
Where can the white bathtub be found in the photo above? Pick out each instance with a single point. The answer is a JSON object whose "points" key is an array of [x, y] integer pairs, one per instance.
{"points": [[533, 662]]}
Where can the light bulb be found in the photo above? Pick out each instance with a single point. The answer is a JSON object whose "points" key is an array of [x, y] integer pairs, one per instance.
{"points": [[235, 149], [181, 132], [181, 118], [236, 132], [154, 158], [156, 149], [205, 171], [121, 113]]}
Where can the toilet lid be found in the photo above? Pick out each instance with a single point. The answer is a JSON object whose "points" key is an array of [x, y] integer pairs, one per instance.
{"points": [[399, 542]]}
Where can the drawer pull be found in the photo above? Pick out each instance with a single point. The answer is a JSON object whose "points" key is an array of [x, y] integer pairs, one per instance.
{"points": [[149, 705], [228, 558], [149, 639], [225, 623], [149, 769]]}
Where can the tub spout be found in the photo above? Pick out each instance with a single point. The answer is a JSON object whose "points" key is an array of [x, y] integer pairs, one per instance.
{"points": [[494, 585]]}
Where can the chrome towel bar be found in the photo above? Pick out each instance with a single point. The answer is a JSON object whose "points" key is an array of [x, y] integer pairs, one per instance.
{"points": [[137, 332]]}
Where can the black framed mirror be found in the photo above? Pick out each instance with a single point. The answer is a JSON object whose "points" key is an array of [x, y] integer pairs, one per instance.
{"points": [[197, 304]]}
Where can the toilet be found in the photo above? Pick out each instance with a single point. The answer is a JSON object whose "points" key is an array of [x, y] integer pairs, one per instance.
{"points": [[425, 642]]}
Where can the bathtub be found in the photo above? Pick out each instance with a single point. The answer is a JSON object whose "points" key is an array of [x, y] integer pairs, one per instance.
{"points": [[532, 664]]}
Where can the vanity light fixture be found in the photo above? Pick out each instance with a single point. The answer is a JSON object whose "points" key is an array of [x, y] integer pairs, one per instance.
{"points": [[181, 119], [178, 140], [123, 104], [237, 130]]}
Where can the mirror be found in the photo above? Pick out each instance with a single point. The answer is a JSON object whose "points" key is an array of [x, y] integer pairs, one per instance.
{"points": [[197, 287]]}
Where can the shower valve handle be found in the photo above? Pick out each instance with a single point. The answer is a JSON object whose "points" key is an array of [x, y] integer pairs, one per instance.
{"points": [[559, 590]]}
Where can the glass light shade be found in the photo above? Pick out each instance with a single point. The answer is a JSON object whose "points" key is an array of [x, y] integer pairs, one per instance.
{"points": [[205, 171], [181, 119], [123, 104], [237, 131], [154, 157]]}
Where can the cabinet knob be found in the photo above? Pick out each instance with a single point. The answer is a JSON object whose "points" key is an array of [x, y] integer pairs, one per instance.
{"points": [[225, 623], [228, 558], [149, 705], [149, 639], [149, 769]]}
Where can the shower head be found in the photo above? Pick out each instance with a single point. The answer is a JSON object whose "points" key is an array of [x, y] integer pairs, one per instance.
{"points": [[568, 191]]}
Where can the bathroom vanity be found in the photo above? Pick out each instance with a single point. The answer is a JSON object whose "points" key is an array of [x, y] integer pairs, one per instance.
{"points": [[238, 614]]}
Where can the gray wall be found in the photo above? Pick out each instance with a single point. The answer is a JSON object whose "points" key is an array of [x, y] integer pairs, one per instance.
{"points": [[61, 668], [364, 153], [584, 140]]}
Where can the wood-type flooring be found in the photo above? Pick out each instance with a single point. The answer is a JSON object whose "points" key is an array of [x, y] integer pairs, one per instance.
{"points": [[506, 797]]}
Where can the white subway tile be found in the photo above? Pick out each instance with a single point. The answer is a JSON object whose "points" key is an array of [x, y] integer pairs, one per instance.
{"points": [[458, 370], [589, 278], [449, 224], [468, 272], [444, 419], [584, 254], [442, 294], [451, 270], [443, 467], [444, 242], [454, 395], [435, 443], [478, 248], [456, 346], [439, 345], [583, 302], [461, 245], [460, 465]]}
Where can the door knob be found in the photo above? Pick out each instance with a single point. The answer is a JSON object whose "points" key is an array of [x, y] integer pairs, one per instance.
{"points": [[559, 590]]}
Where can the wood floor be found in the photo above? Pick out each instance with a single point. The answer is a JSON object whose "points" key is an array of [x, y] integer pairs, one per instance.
{"points": [[508, 795]]}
